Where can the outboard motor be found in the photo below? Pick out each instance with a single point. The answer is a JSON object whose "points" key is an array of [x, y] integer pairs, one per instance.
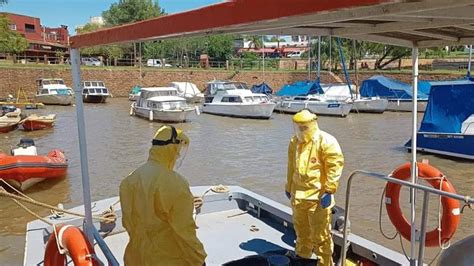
{"points": [[25, 147]]}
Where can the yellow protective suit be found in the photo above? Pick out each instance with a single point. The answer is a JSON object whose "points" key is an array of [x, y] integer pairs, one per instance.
{"points": [[315, 164], [157, 209]]}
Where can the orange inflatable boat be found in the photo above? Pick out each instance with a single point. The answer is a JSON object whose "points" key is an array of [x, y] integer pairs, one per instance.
{"points": [[24, 169]]}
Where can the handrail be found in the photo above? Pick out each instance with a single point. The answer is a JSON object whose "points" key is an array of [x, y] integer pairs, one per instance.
{"points": [[465, 199], [105, 249]]}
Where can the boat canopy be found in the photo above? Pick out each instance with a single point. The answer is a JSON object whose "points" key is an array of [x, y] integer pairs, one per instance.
{"points": [[135, 90], [301, 88], [385, 87], [262, 88], [449, 105]]}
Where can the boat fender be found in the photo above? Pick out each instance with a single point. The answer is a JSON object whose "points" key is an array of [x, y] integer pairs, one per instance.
{"points": [[451, 207], [150, 115], [198, 112], [131, 110], [71, 240]]}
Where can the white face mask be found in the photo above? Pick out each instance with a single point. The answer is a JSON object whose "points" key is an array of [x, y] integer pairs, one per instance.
{"points": [[181, 155]]}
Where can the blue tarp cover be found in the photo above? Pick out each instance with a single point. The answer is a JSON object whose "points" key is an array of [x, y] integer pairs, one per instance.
{"points": [[450, 103], [262, 88], [301, 88], [389, 88]]}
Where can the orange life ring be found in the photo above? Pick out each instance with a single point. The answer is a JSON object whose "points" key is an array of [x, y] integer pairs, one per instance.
{"points": [[451, 207], [75, 242]]}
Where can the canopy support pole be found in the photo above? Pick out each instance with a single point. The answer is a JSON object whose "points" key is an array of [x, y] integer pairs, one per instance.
{"points": [[81, 128], [319, 58], [414, 170], [470, 62], [309, 57], [263, 58]]}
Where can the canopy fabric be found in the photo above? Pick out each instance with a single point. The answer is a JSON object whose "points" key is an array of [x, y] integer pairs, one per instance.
{"points": [[301, 88], [135, 90], [450, 103], [262, 88], [384, 87]]}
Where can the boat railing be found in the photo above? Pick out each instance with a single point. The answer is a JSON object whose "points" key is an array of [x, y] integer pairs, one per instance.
{"points": [[426, 192], [112, 261]]}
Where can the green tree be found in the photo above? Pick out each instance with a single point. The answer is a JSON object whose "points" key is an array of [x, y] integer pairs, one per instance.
{"points": [[10, 41], [126, 11]]}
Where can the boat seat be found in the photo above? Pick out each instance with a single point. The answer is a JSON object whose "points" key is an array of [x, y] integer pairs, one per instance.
{"points": [[467, 127]]}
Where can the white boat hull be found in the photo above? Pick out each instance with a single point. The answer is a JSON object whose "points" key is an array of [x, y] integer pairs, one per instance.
{"points": [[55, 99], [321, 108], [174, 116], [369, 105], [405, 106], [258, 111]]}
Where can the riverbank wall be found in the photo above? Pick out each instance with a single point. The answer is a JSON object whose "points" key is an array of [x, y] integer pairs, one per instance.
{"points": [[120, 81]]}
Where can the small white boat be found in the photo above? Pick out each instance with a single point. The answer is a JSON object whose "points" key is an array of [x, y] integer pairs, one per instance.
{"points": [[94, 92], [369, 105], [234, 99], [54, 92], [162, 104], [405, 105], [189, 91], [340, 92], [316, 104]]}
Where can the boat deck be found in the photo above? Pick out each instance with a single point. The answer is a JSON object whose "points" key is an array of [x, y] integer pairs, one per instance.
{"points": [[231, 226]]}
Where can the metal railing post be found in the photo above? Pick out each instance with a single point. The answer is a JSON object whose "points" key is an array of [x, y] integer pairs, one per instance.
{"points": [[424, 218]]}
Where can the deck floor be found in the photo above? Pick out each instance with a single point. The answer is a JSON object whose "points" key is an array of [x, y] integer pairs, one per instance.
{"points": [[226, 235]]}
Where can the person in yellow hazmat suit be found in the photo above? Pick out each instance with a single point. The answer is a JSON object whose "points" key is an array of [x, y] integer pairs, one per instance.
{"points": [[315, 164], [157, 207]]}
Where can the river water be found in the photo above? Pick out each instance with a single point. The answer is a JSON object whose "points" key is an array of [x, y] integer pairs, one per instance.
{"points": [[249, 153]]}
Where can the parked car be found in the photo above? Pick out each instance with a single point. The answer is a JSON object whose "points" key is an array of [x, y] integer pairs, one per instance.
{"points": [[91, 61], [156, 63], [296, 54]]}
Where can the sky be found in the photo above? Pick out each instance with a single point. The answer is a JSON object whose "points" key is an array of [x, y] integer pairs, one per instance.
{"points": [[72, 13]]}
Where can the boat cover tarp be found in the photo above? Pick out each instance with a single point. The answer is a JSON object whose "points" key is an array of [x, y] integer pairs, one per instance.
{"points": [[450, 103], [262, 88], [389, 88], [301, 88], [135, 90]]}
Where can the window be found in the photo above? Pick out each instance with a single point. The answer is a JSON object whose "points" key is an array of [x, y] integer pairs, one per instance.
{"points": [[30, 28], [94, 84], [12, 26], [248, 99], [87, 84], [101, 84], [44, 91], [98, 90], [300, 99], [105, 91], [231, 99], [84, 91]]}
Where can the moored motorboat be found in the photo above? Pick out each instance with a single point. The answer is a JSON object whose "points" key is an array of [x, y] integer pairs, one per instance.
{"points": [[36, 122], [94, 92], [162, 104], [316, 104], [54, 92], [25, 167], [10, 121], [234, 99]]}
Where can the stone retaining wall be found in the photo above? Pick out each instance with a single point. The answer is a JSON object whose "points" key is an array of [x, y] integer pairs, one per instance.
{"points": [[120, 81]]}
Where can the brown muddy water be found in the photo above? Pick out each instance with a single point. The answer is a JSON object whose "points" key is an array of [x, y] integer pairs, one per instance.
{"points": [[249, 153]]}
